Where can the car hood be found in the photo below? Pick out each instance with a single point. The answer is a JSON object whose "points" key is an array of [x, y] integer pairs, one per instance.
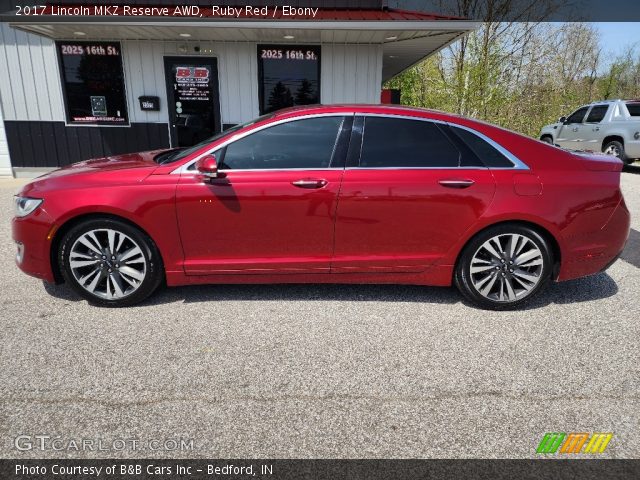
{"points": [[117, 169], [116, 162], [551, 127]]}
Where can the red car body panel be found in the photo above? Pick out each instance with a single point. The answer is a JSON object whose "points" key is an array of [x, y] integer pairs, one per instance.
{"points": [[364, 226], [253, 222], [371, 235]]}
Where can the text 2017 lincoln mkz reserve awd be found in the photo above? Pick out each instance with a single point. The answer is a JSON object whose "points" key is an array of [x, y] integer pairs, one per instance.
{"points": [[329, 194]]}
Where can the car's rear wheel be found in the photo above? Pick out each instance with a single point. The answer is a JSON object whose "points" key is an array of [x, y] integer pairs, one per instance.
{"points": [[109, 262], [504, 267], [547, 139]]}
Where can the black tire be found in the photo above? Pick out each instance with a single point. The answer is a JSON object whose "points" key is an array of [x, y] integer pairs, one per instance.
{"points": [[465, 280], [618, 148], [132, 237], [547, 139]]}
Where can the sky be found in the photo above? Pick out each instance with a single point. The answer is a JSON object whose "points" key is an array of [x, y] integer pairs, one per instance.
{"points": [[616, 36]]}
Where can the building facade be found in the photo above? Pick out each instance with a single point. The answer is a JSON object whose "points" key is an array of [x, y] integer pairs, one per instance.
{"points": [[87, 88]]}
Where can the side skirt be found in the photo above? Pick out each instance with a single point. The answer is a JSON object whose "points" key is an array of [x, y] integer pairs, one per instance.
{"points": [[437, 276]]}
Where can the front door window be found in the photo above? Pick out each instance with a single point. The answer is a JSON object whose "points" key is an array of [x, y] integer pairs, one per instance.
{"points": [[307, 143]]}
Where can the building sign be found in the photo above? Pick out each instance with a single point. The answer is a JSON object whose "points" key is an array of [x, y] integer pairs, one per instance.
{"points": [[149, 103], [288, 76], [93, 83], [193, 83]]}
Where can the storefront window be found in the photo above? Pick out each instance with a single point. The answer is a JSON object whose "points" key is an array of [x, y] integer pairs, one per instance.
{"points": [[93, 83], [288, 76]]}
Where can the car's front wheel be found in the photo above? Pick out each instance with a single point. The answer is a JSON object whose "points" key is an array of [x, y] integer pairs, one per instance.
{"points": [[504, 267], [109, 262]]}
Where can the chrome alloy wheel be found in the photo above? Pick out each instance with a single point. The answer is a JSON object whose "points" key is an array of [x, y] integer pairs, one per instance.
{"points": [[506, 268], [107, 263], [613, 150]]}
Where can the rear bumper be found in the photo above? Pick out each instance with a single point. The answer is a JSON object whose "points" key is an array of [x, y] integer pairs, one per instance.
{"points": [[32, 245], [594, 252]]}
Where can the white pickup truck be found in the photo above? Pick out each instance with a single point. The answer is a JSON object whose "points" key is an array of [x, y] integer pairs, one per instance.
{"points": [[612, 127]]}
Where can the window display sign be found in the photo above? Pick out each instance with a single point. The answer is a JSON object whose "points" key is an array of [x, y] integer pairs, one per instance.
{"points": [[193, 83], [288, 75], [93, 83]]}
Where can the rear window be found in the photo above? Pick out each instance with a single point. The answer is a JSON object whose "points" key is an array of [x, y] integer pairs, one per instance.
{"points": [[489, 156], [634, 109]]}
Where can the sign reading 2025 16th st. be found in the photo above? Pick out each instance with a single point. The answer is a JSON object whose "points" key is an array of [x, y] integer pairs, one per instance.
{"points": [[93, 82]]}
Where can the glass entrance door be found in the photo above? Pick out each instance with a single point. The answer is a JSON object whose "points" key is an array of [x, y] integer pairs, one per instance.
{"points": [[192, 97]]}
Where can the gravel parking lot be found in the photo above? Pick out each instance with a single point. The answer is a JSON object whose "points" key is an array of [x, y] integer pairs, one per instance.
{"points": [[304, 371]]}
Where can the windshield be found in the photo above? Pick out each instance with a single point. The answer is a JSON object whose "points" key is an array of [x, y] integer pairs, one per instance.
{"points": [[180, 153]]}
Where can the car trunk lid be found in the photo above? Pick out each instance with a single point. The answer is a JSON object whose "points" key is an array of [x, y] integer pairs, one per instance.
{"points": [[600, 162]]}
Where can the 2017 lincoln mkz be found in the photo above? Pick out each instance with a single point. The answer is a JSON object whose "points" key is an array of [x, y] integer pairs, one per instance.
{"points": [[329, 194]]}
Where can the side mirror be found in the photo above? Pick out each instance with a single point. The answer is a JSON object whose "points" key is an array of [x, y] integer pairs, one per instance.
{"points": [[208, 166], [562, 119]]}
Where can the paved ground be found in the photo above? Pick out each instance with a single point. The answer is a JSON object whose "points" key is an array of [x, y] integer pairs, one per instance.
{"points": [[321, 371]]}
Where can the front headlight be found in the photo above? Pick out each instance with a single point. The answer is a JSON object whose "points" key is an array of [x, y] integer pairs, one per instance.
{"points": [[25, 205]]}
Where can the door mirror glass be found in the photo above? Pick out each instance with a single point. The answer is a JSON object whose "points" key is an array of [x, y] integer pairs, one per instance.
{"points": [[562, 119], [208, 166]]}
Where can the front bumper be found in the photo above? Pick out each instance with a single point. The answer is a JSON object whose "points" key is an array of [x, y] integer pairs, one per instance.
{"points": [[33, 246], [596, 251]]}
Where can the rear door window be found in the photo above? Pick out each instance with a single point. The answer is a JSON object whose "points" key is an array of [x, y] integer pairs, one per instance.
{"points": [[597, 113], [405, 143]]}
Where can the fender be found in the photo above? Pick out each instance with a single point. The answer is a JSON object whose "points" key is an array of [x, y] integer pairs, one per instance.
{"points": [[154, 213]]}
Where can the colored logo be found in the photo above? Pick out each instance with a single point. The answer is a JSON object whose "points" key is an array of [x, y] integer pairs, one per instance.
{"points": [[192, 74], [574, 443]]}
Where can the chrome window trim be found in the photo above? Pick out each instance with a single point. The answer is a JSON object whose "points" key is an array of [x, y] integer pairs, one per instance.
{"points": [[319, 169], [419, 168], [517, 163], [185, 168]]}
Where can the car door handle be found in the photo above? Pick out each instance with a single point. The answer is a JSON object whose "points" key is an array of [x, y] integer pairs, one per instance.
{"points": [[575, 129], [456, 183], [596, 129], [310, 183]]}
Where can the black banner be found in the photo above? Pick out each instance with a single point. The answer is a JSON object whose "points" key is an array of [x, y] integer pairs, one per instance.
{"points": [[480, 10], [319, 469]]}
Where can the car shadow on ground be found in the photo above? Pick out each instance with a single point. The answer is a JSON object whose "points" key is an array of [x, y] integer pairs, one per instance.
{"points": [[583, 290], [631, 253], [634, 168]]}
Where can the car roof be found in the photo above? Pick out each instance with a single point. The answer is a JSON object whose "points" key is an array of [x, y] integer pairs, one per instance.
{"points": [[385, 109], [363, 108], [609, 102]]}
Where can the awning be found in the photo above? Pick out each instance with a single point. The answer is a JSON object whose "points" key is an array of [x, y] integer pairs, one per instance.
{"points": [[407, 37]]}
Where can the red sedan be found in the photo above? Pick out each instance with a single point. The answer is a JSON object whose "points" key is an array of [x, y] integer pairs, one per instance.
{"points": [[329, 194]]}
